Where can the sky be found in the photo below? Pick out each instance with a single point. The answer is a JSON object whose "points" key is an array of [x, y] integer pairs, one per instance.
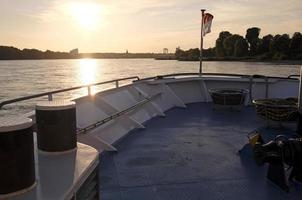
{"points": [[137, 25]]}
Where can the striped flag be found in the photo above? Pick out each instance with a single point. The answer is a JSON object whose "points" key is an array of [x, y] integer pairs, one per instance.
{"points": [[207, 22]]}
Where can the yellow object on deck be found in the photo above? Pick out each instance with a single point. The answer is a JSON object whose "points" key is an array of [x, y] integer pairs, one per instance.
{"points": [[254, 138]]}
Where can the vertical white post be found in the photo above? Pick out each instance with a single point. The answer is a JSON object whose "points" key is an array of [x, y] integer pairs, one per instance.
{"points": [[201, 42]]}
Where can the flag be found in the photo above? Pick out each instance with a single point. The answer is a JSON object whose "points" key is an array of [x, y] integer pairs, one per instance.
{"points": [[207, 22]]}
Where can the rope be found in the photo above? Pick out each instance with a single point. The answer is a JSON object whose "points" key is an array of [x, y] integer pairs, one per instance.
{"points": [[277, 109]]}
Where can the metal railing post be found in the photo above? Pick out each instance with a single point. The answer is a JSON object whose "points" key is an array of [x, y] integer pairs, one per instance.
{"points": [[49, 97], [116, 84], [251, 90], [266, 87], [89, 90]]}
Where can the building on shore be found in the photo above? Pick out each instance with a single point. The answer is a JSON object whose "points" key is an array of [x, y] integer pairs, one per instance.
{"points": [[74, 51]]}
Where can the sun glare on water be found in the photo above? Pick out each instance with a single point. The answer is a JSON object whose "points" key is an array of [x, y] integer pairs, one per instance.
{"points": [[87, 15], [87, 71]]}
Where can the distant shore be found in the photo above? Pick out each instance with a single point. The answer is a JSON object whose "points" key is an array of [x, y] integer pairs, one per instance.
{"points": [[12, 53], [281, 62], [289, 62]]}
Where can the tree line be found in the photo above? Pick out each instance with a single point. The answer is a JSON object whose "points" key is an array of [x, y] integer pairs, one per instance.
{"points": [[12, 53], [230, 46]]}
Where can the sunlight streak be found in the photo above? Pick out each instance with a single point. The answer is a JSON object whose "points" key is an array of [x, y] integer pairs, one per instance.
{"points": [[87, 72]]}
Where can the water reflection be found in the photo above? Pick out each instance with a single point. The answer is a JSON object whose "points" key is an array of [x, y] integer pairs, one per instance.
{"points": [[23, 77], [87, 73]]}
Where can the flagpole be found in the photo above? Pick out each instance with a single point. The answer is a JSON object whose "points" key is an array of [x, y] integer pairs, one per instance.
{"points": [[201, 42]]}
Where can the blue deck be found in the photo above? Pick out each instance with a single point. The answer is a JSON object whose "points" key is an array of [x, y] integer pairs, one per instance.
{"points": [[190, 154]]}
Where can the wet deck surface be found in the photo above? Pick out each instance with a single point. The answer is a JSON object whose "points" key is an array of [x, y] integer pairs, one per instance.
{"points": [[190, 154]]}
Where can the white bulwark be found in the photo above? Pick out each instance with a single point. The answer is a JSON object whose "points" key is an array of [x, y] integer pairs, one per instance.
{"points": [[62, 176]]}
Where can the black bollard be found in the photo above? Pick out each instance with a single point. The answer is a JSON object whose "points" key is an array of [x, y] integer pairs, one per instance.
{"points": [[17, 163], [56, 126]]}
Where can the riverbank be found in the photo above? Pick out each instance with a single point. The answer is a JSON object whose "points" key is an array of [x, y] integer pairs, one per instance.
{"points": [[12, 53], [226, 59]]}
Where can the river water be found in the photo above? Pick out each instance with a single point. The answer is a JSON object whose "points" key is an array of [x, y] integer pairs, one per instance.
{"points": [[26, 77]]}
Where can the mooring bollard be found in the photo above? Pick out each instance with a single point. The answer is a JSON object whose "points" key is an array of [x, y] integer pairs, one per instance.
{"points": [[17, 163], [56, 126]]}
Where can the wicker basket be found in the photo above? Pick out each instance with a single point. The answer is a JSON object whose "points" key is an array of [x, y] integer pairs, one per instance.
{"points": [[281, 110], [222, 96], [225, 98]]}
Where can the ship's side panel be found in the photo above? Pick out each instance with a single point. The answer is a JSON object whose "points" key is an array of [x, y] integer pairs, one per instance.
{"points": [[283, 89], [188, 92]]}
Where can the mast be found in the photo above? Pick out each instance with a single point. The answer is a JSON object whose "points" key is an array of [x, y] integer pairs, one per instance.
{"points": [[201, 42]]}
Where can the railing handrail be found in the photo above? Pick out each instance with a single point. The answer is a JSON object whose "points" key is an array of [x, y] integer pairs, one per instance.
{"points": [[191, 74], [49, 94], [291, 77], [117, 114], [249, 77], [294, 75]]}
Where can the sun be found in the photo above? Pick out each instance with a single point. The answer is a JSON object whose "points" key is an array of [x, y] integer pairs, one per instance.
{"points": [[87, 15]]}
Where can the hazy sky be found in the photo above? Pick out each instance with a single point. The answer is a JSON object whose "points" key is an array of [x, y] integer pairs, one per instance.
{"points": [[137, 25]]}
